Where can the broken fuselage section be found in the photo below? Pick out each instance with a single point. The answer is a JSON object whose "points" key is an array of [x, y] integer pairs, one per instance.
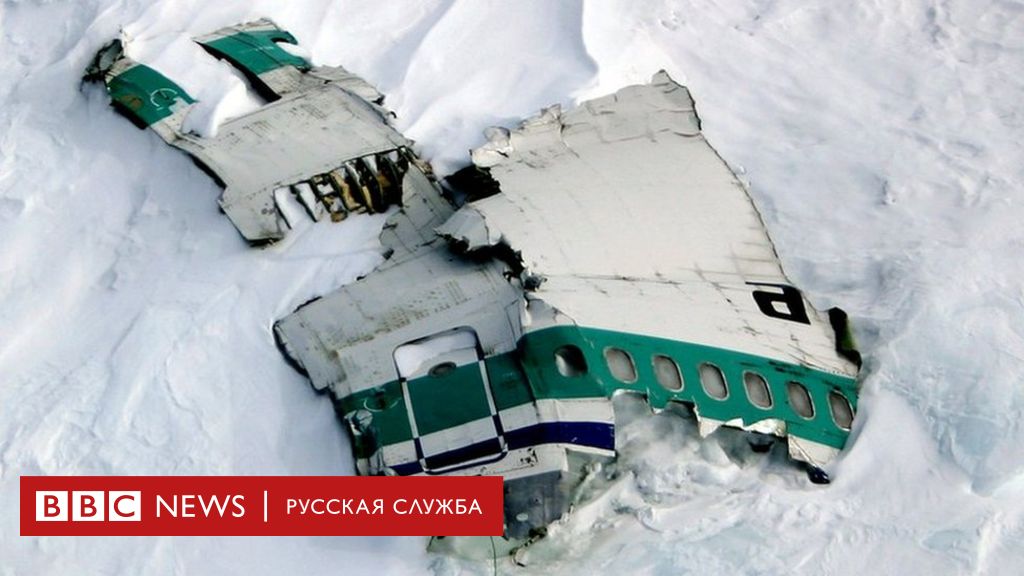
{"points": [[619, 254], [322, 136]]}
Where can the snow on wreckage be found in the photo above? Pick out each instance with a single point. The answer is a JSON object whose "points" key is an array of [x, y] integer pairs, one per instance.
{"points": [[322, 136], [589, 252]]}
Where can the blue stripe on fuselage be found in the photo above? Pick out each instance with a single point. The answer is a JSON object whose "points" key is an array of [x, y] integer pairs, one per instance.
{"points": [[591, 434]]}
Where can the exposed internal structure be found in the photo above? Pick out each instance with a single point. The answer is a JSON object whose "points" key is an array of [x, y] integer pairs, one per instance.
{"points": [[600, 250], [322, 136], [621, 254]]}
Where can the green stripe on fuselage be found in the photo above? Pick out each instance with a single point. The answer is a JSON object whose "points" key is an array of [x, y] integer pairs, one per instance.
{"points": [[509, 387], [448, 400], [530, 374], [547, 382]]}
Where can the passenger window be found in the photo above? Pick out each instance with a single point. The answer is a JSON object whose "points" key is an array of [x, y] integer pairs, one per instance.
{"points": [[757, 390], [713, 381], [666, 371], [621, 365], [800, 399], [842, 412], [570, 361]]}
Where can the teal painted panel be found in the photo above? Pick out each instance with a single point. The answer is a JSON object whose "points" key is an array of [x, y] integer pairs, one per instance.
{"points": [[389, 423], [509, 386], [257, 51], [538, 353], [145, 95], [448, 400]]}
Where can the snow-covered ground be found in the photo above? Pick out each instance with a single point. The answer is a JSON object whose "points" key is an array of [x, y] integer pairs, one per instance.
{"points": [[883, 142]]}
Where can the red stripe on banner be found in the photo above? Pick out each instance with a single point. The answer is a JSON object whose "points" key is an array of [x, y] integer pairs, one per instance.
{"points": [[261, 506]]}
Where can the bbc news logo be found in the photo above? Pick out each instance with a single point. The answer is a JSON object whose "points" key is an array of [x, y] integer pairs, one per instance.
{"points": [[89, 506], [261, 506]]}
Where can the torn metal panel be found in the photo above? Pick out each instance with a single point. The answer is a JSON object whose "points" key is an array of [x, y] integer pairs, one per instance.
{"points": [[257, 153], [635, 226], [324, 138], [347, 339], [142, 94], [585, 192], [606, 229], [257, 50], [468, 228], [608, 249]]}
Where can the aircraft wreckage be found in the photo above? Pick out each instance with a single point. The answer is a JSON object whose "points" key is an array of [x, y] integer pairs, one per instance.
{"points": [[589, 252]]}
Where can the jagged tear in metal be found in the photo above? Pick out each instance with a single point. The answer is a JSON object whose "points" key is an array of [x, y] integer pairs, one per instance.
{"points": [[601, 250], [323, 137], [620, 254]]}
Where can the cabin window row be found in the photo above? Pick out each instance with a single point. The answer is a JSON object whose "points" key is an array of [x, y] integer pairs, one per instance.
{"points": [[571, 363], [714, 383]]}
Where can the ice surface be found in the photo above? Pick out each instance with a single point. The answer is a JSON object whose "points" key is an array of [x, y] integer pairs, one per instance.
{"points": [[883, 144]]}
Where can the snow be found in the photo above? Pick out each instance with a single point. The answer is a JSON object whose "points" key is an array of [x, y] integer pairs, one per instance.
{"points": [[220, 89], [410, 358], [882, 142]]}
